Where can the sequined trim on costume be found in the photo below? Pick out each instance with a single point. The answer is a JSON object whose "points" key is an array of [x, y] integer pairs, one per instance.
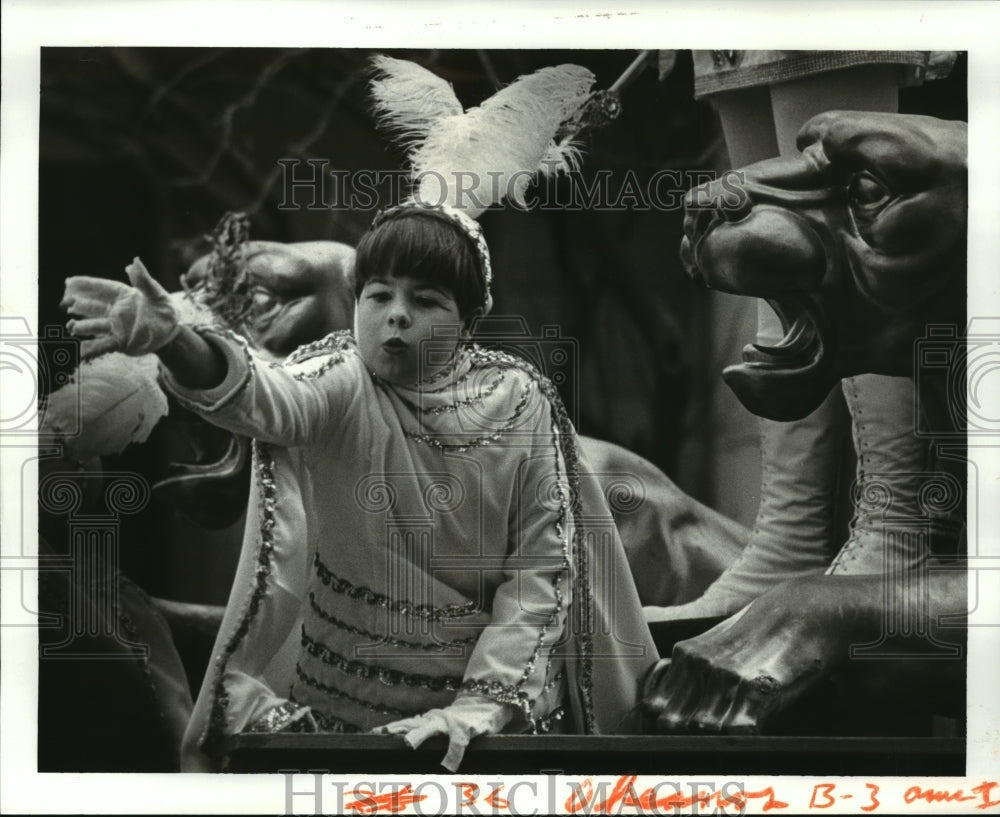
{"points": [[543, 725], [264, 465], [389, 677], [556, 679], [284, 717], [429, 386], [332, 345], [507, 693], [479, 442], [366, 594], [329, 723], [334, 692], [381, 638], [503, 693], [339, 340], [459, 404], [557, 580], [583, 595]]}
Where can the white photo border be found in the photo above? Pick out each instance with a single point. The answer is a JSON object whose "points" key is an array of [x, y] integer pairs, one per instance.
{"points": [[965, 26]]}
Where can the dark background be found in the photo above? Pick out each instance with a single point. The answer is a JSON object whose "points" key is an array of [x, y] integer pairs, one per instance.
{"points": [[143, 149]]}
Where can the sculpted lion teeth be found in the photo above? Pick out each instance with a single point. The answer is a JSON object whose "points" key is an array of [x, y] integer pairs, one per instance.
{"points": [[799, 347], [792, 337]]}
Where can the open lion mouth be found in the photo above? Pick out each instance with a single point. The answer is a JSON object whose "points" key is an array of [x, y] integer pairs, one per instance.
{"points": [[784, 258], [802, 345], [788, 380]]}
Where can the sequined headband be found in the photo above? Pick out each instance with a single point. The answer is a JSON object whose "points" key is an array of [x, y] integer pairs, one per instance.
{"points": [[467, 225]]}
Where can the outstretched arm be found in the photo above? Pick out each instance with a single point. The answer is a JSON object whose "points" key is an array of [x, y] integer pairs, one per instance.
{"points": [[206, 371], [194, 362], [733, 678], [137, 320]]}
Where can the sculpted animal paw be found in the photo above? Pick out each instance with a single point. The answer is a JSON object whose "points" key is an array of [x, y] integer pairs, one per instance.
{"points": [[857, 243]]}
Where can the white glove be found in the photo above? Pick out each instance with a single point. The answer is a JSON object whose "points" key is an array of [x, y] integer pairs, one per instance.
{"points": [[135, 320], [467, 717]]}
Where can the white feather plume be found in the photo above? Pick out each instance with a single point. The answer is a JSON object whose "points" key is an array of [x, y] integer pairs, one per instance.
{"points": [[561, 157], [474, 159], [112, 401], [409, 100]]}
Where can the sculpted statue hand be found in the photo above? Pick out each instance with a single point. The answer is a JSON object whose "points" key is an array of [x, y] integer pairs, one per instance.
{"points": [[116, 317], [735, 677]]}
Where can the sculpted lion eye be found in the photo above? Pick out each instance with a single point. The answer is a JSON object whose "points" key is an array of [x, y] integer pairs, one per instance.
{"points": [[866, 192], [263, 302]]}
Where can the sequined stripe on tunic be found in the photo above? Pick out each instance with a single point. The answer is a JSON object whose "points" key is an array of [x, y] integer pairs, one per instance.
{"points": [[385, 675], [329, 653], [332, 723], [382, 638], [449, 408], [425, 611], [478, 442], [264, 465], [336, 692], [584, 600]]}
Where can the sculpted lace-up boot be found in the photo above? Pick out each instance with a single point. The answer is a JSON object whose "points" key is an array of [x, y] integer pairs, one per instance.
{"points": [[793, 532], [905, 501]]}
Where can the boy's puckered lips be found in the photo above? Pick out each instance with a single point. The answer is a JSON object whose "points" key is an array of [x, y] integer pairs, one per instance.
{"points": [[395, 346]]}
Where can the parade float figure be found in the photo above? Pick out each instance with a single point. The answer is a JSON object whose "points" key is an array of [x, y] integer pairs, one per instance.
{"points": [[858, 243], [763, 98], [433, 569]]}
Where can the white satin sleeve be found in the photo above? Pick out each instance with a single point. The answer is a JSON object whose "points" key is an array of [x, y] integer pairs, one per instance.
{"points": [[511, 662], [289, 404]]}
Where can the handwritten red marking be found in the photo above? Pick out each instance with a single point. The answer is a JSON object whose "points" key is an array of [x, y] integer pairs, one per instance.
{"points": [[495, 800], [934, 796], [872, 791], [393, 802], [772, 801], [980, 792], [623, 794], [983, 790], [470, 791], [824, 790]]}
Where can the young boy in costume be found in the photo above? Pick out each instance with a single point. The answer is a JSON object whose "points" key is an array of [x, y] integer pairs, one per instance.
{"points": [[428, 554]]}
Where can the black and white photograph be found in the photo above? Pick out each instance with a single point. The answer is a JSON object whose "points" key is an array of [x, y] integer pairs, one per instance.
{"points": [[452, 409]]}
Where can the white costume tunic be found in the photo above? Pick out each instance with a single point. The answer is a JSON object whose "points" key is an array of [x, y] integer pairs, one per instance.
{"points": [[409, 544]]}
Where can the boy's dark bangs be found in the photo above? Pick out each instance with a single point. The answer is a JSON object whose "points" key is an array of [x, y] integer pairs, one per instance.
{"points": [[425, 248], [417, 248]]}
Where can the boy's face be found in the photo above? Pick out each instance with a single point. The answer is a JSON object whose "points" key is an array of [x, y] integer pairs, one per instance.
{"points": [[394, 322]]}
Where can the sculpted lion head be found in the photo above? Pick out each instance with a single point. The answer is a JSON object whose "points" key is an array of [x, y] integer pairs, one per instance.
{"points": [[858, 243], [301, 291]]}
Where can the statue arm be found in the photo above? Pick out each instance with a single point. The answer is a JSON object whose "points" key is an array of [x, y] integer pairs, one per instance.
{"points": [[737, 675]]}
